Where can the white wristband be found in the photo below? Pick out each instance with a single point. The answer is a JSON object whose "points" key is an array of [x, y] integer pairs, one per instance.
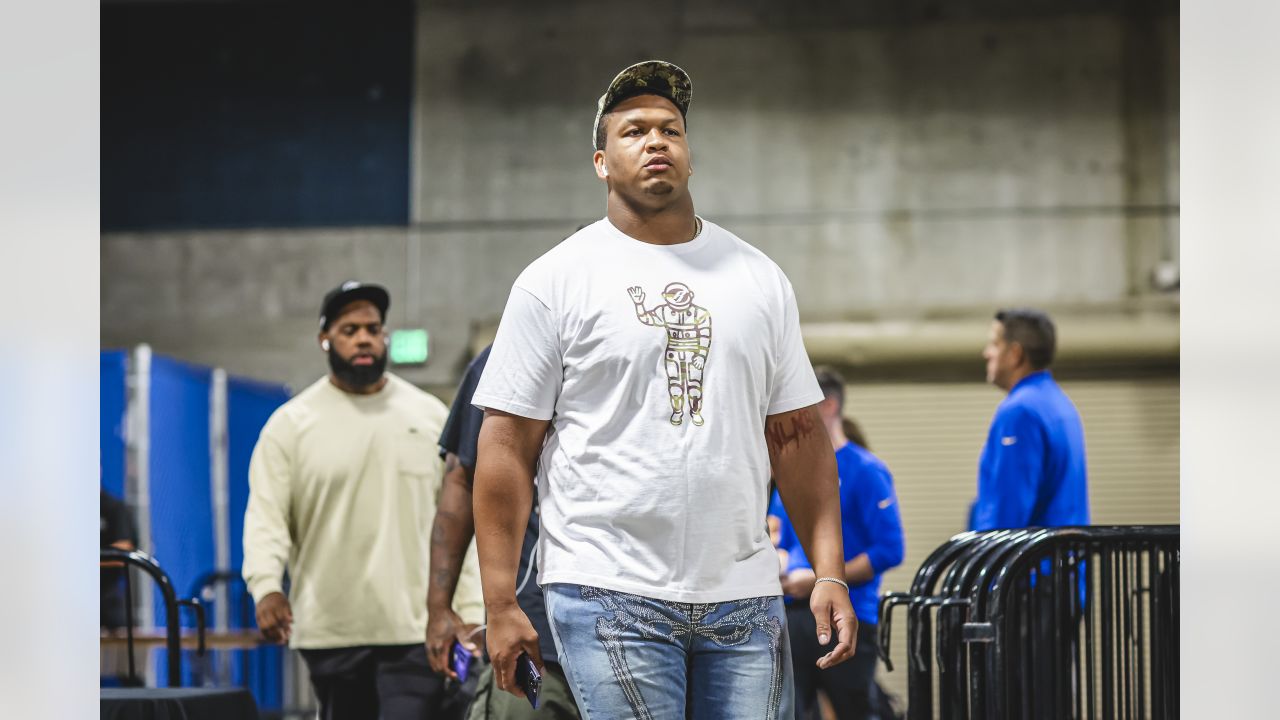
{"points": [[837, 581]]}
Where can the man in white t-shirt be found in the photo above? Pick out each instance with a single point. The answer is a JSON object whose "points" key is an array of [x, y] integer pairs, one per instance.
{"points": [[660, 579]]}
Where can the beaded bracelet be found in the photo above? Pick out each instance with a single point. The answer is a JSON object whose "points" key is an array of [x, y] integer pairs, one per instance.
{"points": [[837, 581]]}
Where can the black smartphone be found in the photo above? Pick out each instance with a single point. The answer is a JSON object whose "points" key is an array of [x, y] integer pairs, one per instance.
{"points": [[528, 678]]}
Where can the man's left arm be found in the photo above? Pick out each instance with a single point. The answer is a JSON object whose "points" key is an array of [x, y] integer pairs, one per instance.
{"points": [[1011, 472], [804, 467], [881, 515], [451, 534]]}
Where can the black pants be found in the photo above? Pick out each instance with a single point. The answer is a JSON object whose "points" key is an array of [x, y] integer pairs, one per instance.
{"points": [[848, 685], [391, 682]]}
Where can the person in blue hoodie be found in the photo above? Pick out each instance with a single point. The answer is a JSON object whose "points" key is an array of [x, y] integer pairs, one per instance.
{"points": [[1032, 472], [873, 543]]}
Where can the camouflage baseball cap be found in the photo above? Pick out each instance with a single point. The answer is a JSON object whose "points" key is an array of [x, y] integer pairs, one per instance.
{"points": [[657, 77]]}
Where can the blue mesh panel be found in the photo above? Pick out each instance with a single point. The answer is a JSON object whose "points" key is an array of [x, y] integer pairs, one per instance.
{"points": [[111, 426], [181, 502], [249, 404]]}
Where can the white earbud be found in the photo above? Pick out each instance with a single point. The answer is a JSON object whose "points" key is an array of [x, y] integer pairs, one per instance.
{"points": [[324, 345], [604, 169]]}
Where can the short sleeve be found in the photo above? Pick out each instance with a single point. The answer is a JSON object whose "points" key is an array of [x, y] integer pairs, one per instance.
{"points": [[526, 368], [794, 383]]}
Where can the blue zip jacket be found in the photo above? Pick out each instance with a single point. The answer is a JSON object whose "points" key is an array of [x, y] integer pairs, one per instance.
{"points": [[870, 519], [1032, 472]]}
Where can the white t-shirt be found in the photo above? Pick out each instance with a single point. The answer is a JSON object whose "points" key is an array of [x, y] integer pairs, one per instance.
{"points": [[636, 495]]}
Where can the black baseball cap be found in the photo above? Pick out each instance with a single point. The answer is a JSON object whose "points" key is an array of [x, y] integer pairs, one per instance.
{"points": [[347, 293], [652, 77]]}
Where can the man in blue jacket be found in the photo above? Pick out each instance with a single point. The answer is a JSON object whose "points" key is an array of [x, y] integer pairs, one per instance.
{"points": [[1032, 472], [873, 543]]}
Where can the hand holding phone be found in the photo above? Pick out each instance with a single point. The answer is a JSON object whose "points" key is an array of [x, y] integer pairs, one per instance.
{"points": [[460, 660], [528, 678]]}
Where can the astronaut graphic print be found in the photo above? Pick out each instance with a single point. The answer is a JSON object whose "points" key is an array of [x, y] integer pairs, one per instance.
{"points": [[688, 329]]}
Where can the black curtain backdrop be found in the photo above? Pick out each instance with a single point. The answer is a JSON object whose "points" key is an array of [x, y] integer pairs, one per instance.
{"points": [[255, 114]]}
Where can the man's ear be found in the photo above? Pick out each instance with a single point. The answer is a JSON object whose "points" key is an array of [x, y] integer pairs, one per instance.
{"points": [[1020, 354], [602, 169]]}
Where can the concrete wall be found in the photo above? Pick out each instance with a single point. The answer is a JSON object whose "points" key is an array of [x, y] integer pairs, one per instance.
{"points": [[900, 161]]}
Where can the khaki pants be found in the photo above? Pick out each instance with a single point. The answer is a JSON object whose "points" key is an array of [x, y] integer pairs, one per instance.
{"points": [[555, 701]]}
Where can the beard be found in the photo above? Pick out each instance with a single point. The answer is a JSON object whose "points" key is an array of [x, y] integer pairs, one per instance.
{"points": [[661, 187], [357, 376]]}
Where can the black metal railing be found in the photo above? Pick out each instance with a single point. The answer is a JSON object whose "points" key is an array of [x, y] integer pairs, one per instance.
{"points": [[1060, 623], [173, 630], [226, 587]]}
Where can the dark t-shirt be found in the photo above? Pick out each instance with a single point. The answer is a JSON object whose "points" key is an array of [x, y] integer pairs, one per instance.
{"points": [[460, 436], [116, 524]]}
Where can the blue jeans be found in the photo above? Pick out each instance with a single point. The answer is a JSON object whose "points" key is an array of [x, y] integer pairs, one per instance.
{"points": [[628, 656]]}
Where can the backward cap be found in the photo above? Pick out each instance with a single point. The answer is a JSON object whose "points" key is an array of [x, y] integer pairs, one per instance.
{"points": [[348, 292], [656, 77]]}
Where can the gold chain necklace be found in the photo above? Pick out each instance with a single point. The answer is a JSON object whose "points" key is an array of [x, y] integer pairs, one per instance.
{"points": [[697, 227]]}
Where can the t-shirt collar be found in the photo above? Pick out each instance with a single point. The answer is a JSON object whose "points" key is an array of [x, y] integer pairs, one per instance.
{"points": [[678, 249]]}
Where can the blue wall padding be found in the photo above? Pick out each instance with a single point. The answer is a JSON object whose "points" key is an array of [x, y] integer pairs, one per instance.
{"points": [[181, 497], [111, 413], [249, 404], [181, 503]]}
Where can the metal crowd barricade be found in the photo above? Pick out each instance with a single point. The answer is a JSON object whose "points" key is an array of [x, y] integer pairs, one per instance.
{"points": [[1058, 623], [173, 631], [217, 591]]}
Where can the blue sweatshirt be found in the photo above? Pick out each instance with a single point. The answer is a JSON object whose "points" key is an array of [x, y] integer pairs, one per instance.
{"points": [[871, 521], [1032, 471]]}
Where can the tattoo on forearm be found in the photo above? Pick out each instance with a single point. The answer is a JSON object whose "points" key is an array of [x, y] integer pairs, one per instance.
{"points": [[442, 529], [446, 579], [446, 555], [438, 534], [786, 432]]}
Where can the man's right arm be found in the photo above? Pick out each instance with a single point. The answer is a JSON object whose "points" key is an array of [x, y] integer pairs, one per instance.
{"points": [[451, 534], [267, 540], [503, 496]]}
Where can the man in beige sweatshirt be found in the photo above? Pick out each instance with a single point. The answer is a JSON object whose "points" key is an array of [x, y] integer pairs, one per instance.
{"points": [[342, 492]]}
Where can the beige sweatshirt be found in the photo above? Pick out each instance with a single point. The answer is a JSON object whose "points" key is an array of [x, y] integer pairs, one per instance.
{"points": [[342, 490]]}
